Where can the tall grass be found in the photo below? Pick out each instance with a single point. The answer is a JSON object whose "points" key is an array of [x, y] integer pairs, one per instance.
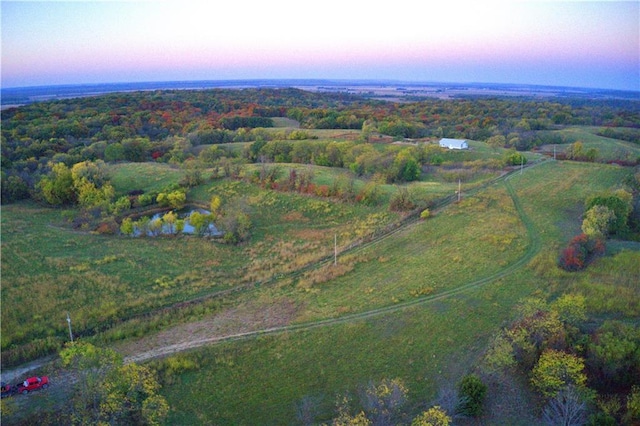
{"points": [[49, 270], [426, 346]]}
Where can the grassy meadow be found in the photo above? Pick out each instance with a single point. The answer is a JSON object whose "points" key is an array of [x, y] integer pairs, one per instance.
{"points": [[428, 344], [101, 279], [420, 305], [608, 149]]}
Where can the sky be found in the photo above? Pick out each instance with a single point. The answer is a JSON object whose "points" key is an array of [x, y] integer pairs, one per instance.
{"points": [[575, 43]]}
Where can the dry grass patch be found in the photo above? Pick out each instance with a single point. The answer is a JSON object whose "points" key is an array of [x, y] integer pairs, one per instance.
{"points": [[294, 216], [271, 257], [311, 234], [324, 274], [247, 317]]}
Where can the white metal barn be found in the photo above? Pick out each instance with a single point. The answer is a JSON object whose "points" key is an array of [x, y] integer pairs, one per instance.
{"points": [[454, 143]]}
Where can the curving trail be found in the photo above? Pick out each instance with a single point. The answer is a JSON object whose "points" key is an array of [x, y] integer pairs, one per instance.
{"points": [[532, 249], [164, 350]]}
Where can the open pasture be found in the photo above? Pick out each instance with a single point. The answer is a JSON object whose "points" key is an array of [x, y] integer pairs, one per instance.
{"points": [[49, 269], [427, 344], [608, 149], [149, 177], [422, 344]]}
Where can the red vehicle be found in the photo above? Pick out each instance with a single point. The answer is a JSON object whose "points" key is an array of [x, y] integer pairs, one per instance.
{"points": [[33, 383], [7, 390]]}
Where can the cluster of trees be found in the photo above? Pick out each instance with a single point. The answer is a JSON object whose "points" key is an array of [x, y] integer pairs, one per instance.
{"points": [[301, 181], [395, 164], [476, 119], [576, 151], [140, 126], [232, 221], [580, 373], [606, 214], [107, 391], [86, 185], [582, 249], [166, 125], [625, 134], [385, 403]]}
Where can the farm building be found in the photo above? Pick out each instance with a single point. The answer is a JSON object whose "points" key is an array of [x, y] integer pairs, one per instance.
{"points": [[454, 143]]}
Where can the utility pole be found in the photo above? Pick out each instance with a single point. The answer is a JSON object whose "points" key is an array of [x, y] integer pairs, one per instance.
{"points": [[459, 190], [521, 163], [69, 322], [554, 151]]}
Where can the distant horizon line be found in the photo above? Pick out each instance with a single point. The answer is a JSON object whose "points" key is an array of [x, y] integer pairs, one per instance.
{"points": [[313, 82]]}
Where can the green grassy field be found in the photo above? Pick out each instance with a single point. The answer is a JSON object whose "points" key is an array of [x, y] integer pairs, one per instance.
{"points": [[426, 345], [419, 305], [150, 177], [102, 279], [608, 149]]}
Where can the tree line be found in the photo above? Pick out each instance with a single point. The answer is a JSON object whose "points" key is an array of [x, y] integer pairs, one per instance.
{"points": [[165, 125]]}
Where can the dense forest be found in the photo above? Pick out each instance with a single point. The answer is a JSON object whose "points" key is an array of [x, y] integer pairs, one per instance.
{"points": [[165, 126]]}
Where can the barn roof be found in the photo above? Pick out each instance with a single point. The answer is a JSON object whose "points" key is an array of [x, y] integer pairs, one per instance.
{"points": [[458, 143]]}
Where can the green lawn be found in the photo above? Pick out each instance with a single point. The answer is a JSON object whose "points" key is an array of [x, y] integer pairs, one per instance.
{"points": [[426, 345], [149, 177], [420, 305], [608, 149], [48, 269]]}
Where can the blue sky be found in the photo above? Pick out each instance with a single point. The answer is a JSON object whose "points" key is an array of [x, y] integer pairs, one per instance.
{"points": [[570, 43]]}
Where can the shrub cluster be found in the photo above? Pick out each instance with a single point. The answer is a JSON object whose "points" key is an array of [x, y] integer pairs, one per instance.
{"points": [[580, 252]]}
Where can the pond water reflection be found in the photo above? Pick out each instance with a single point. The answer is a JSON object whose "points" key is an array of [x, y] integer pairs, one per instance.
{"points": [[192, 221]]}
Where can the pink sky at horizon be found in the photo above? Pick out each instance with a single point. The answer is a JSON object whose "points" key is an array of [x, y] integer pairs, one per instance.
{"points": [[573, 43]]}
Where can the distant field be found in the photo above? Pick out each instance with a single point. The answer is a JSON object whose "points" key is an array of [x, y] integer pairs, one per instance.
{"points": [[285, 122], [608, 149], [127, 177]]}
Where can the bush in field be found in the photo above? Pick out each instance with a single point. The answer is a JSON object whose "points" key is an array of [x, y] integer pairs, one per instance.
{"points": [[472, 394], [434, 416], [402, 200], [597, 221], [580, 251], [120, 205], [514, 158], [382, 401], [571, 308], [556, 371], [405, 168], [145, 199], [235, 223], [169, 369], [174, 199], [369, 195], [57, 188], [620, 202], [127, 227], [425, 214]]}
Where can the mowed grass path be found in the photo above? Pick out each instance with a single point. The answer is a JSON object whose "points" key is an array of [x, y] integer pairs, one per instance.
{"points": [[426, 345], [261, 380]]}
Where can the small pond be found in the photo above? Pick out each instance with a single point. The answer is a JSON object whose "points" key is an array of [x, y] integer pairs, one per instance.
{"points": [[156, 225]]}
